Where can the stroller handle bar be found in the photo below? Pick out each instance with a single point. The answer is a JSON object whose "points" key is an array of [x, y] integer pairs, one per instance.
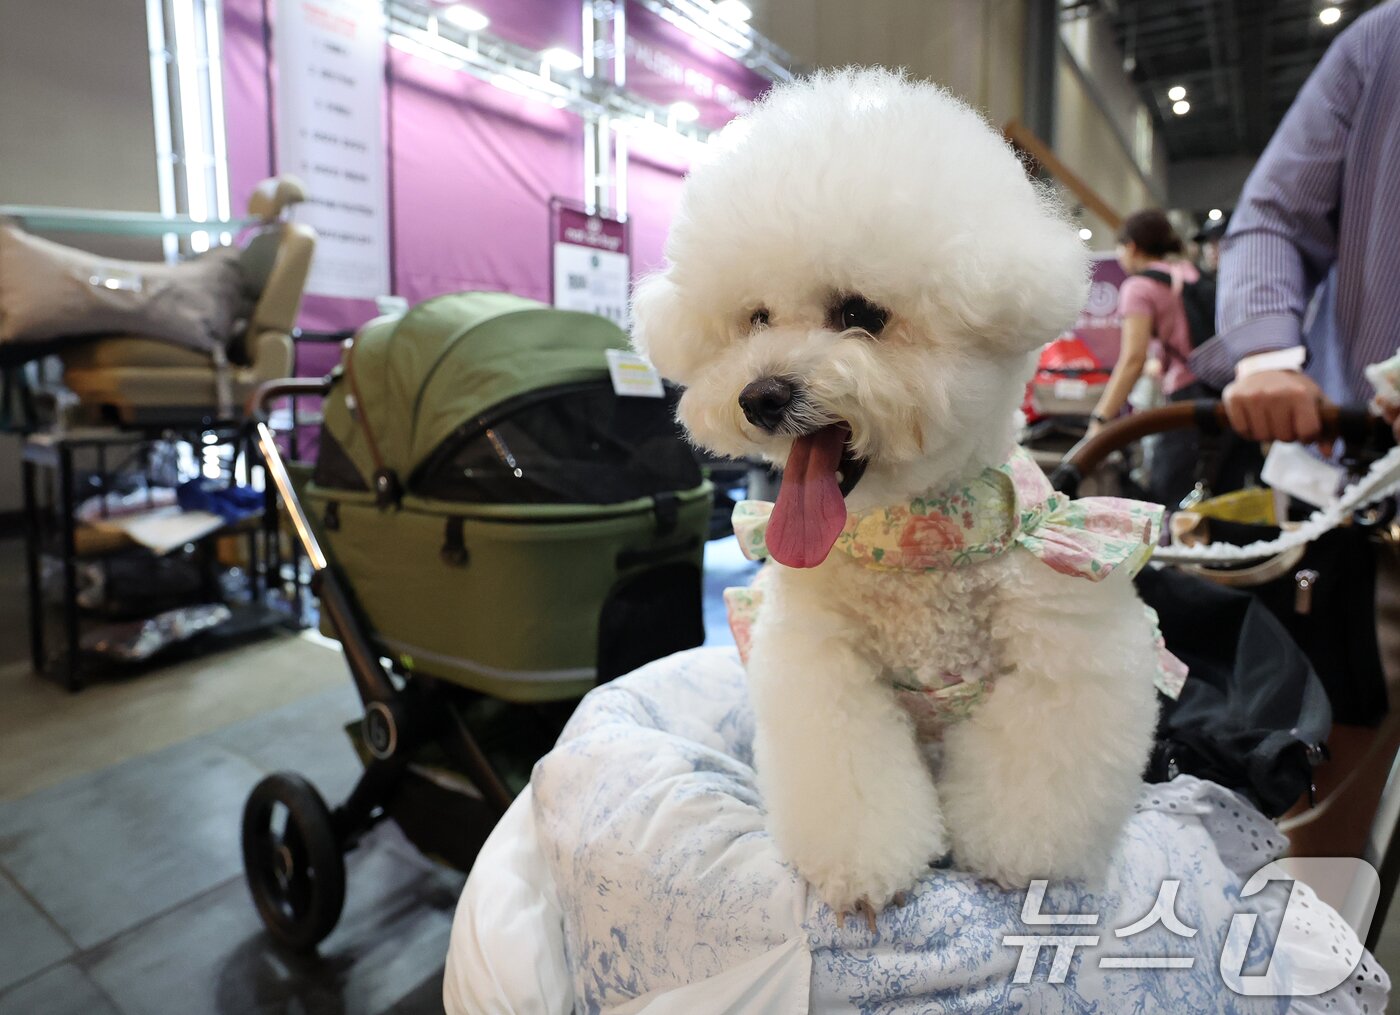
{"points": [[262, 397], [258, 407], [373, 682], [1355, 425], [277, 472]]}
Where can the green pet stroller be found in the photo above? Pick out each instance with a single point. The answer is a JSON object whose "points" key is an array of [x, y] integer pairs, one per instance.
{"points": [[493, 531]]}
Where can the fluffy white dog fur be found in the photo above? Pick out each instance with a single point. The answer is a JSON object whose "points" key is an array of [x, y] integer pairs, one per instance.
{"points": [[864, 183]]}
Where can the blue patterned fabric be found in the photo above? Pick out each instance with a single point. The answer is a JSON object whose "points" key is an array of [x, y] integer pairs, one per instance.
{"points": [[650, 824]]}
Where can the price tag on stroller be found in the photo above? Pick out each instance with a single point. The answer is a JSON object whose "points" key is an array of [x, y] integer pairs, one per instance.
{"points": [[632, 375]]}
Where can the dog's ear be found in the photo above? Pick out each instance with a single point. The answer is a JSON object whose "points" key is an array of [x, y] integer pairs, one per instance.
{"points": [[1026, 279], [663, 330]]}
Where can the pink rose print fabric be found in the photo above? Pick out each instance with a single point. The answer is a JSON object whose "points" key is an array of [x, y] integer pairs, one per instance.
{"points": [[977, 520]]}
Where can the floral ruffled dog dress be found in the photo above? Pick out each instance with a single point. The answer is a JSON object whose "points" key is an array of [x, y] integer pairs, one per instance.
{"points": [[977, 520]]}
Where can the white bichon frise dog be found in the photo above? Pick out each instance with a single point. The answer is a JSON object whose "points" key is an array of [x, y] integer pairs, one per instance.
{"points": [[859, 277]]}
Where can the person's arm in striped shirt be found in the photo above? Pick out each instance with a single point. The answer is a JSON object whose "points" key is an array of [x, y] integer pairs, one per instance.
{"points": [[1281, 243]]}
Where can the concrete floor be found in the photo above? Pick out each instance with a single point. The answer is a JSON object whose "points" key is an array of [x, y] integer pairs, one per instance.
{"points": [[121, 881], [122, 890]]}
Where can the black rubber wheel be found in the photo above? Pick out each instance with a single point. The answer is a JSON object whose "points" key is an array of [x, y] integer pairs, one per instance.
{"points": [[293, 860]]}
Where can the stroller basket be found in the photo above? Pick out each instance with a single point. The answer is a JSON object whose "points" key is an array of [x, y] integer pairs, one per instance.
{"points": [[524, 603]]}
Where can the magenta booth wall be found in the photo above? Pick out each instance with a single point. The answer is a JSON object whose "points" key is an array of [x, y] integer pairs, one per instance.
{"points": [[665, 65], [472, 168]]}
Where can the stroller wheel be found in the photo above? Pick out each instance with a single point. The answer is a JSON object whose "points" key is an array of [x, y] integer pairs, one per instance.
{"points": [[293, 860]]}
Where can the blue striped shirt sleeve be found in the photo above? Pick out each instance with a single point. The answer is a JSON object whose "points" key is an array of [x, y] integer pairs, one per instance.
{"points": [[1283, 236]]}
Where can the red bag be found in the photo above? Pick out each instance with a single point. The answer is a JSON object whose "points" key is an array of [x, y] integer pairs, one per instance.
{"points": [[1068, 381]]}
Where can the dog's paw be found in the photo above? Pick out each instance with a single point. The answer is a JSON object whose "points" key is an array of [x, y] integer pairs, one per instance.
{"points": [[862, 909], [865, 911], [849, 893], [859, 874], [863, 889]]}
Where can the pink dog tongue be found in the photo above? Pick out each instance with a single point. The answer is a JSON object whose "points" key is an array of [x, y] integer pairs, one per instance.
{"points": [[810, 511]]}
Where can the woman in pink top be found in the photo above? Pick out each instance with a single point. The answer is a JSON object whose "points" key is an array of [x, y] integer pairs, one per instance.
{"points": [[1151, 310]]}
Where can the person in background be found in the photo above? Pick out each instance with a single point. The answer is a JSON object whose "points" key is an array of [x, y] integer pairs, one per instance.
{"points": [[1319, 220], [1208, 242], [1151, 311]]}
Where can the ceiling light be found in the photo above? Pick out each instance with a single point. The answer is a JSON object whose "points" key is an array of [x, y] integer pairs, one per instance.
{"points": [[1086, 234], [1176, 93], [736, 12], [1181, 107], [466, 17], [561, 59], [1329, 15], [1215, 214], [685, 112]]}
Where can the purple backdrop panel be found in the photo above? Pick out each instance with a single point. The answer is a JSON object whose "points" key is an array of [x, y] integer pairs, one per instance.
{"points": [[661, 147], [535, 24], [474, 166], [1099, 326], [247, 112], [654, 193], [331, 313], [665, 64], [474, 170], [315, 359]]}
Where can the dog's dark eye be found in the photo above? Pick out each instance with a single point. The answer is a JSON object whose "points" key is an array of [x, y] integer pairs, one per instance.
{"points": [[759, 318], [858, 312]]}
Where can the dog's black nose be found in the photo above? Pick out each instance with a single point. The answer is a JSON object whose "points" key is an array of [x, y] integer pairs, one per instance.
{"points": [[765, 402]]}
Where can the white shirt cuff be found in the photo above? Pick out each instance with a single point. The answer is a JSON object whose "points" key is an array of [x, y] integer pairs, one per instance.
{"points": [[1277, 359]]}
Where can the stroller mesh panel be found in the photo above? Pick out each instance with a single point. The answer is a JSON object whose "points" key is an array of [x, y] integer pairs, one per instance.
{"points": [[334, 468], [580, 445]]}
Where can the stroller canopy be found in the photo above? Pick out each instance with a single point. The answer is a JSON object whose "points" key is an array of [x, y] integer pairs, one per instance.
{"points": [[489, 397], [538, 530], [415, 379]]}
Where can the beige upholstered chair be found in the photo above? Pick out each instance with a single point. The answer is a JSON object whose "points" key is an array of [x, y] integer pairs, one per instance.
{"points": [[137, 380]]}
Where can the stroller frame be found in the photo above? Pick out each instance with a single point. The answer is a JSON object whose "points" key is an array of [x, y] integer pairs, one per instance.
{"points": [[297, 874], [1359, 428]]}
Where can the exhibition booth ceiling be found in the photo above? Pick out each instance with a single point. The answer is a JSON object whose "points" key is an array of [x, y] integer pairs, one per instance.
{"points": [[440, 144], [1237, 65]]}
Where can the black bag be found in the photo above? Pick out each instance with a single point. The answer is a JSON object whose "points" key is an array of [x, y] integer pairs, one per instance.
{"points": [[1184, 458], [1327, 604], [1253, 714], [1198, 302]]}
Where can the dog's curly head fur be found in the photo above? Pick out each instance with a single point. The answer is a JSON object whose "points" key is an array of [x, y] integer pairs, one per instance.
{"points": [[875, 242]]}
